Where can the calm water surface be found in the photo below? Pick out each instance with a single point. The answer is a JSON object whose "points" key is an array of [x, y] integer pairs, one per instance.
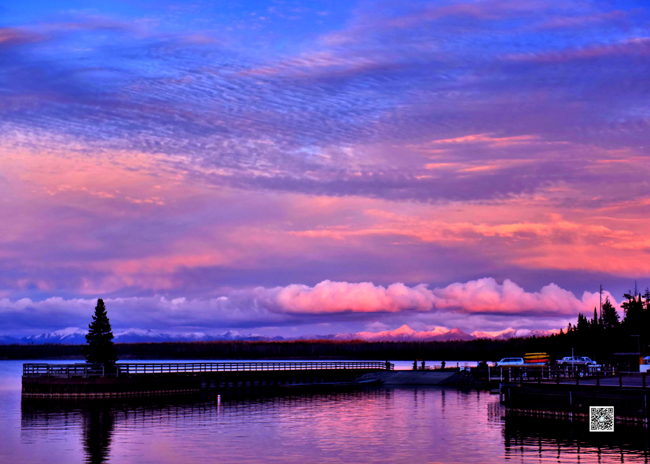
{"points": [[371, 425]]}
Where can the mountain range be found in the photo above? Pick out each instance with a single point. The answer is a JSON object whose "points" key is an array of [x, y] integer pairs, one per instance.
{"points": [[76, 336]]}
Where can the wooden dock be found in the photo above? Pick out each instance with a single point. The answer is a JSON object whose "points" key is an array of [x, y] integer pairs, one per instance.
{"points": [[147, 379], [571, 396]]}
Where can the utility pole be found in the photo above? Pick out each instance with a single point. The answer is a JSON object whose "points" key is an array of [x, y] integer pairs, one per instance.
{"points": [[601, 302]]}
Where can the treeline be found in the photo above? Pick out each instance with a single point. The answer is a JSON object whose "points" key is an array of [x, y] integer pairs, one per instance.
{"points": [[606, 334], [474, 350]]}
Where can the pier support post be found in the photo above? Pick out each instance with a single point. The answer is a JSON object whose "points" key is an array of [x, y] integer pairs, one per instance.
{"points": [[644, 374], [620, 379]]}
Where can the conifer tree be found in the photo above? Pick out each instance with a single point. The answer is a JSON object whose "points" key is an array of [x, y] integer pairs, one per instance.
{"points": [[100, 348], [610, 316]]}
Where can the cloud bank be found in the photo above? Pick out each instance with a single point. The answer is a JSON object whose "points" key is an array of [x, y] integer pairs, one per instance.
{"points": [[301, 305], [336, 297], [478, 296]]}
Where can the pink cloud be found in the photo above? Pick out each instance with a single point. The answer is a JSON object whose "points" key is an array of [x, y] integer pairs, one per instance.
{"points": [[476, 296], [333, 297], [561, 22], [488, 139], [486, 295], [14, 36], [633, 46]]}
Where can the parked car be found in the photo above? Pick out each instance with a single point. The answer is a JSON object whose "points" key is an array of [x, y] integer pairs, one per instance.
{"points": [[511, 362], [579, 361]]}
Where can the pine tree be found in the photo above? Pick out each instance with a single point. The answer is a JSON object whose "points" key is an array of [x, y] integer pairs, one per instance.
{"points": [[633, 321], [583, 324], [610, 316], [100, 348]]}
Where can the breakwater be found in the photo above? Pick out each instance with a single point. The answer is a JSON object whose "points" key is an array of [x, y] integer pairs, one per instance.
{"points": [[147, 379]]}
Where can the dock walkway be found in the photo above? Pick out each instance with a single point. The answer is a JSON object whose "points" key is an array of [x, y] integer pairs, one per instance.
{"points": [[136, 379], [629, 393]]}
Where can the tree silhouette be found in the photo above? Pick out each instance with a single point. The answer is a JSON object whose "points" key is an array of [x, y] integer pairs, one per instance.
{"points": [[610, 316], [100, 348]]}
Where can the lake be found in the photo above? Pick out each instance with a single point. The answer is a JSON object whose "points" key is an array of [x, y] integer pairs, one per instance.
{"points": [[414, 425]]}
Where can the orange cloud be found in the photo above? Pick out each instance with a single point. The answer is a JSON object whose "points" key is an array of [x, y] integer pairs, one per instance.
{"points": [[487, 139]]}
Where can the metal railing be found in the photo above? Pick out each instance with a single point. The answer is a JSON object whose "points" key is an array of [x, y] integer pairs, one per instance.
{"points": [[550, 373], [90, 370]]}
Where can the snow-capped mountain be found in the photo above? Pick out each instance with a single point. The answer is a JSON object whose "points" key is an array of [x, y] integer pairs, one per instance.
{"points": [[68, 336], [405, 333], [512, 333], [76, 336]]}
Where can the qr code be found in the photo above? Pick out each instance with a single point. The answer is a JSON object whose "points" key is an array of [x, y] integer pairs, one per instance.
{"points": [[601, 418]]}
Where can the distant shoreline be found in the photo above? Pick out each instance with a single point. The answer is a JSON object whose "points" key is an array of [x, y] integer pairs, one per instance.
{"points": [[471, 350]]}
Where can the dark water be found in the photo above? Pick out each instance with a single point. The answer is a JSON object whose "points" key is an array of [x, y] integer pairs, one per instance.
{"points": [[371, 425]]}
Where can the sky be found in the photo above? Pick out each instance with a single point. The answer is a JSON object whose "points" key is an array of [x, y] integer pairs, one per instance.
{"points": [[291, 168]]}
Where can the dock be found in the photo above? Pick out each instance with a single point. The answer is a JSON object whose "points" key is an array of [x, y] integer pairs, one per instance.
{"points": [[149, 379], [570, 394]]}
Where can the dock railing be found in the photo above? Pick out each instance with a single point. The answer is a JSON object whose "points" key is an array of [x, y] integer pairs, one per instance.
{"points": [[99, 370], [524, 374]]}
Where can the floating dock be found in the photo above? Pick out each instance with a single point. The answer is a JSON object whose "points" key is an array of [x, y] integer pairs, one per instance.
{"points": [[148, 379]]}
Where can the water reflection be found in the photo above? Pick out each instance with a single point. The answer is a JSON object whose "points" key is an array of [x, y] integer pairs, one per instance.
{"points": [[565, 440], [44, 420], [97, 432], [379, 425]]}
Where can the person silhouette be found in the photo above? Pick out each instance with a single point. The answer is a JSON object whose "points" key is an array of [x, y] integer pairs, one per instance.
{"points": [[442, 365]]}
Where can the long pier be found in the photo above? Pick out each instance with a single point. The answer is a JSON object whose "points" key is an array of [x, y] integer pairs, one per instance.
{"points": [[143, 379]]}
